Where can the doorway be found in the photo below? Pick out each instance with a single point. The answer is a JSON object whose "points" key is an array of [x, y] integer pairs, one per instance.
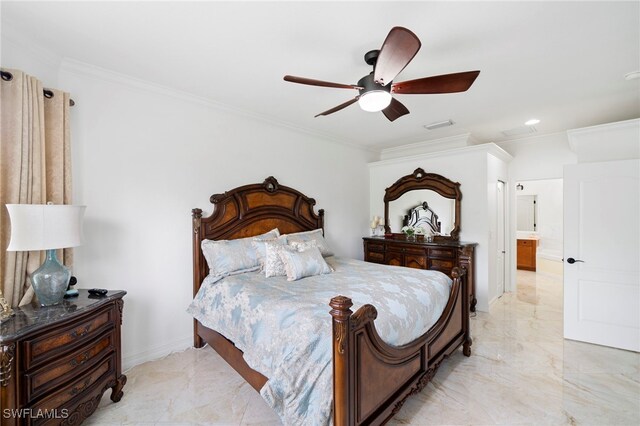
{"points": [[539, 226]]}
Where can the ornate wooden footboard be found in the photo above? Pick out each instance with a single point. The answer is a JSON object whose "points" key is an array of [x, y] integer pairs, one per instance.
{"points": [[371, 378]]}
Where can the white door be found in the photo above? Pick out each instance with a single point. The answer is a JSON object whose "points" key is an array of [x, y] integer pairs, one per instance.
{"points": [[602, 253], [500, 238]]}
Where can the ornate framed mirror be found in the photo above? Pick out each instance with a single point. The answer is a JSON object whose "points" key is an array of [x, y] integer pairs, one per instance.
{"points": [[428, 200]]}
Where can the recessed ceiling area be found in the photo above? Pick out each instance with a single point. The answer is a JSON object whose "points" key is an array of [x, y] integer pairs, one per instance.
{"points": [[563, 63]]}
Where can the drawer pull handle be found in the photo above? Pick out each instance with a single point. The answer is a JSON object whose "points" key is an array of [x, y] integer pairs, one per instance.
{"points": [[77, 389], [82, 332], [83, 358]]}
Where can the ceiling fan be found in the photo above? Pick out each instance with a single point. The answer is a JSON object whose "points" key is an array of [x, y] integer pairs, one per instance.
{"points": [[375, 89]]}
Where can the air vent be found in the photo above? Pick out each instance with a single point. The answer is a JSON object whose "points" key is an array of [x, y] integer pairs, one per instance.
{"points": [[439, 124], [522, 130]]}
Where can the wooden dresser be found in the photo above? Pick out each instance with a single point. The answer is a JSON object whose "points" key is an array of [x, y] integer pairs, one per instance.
{"points": [[57, 361], [440, 256], [527, 251]]}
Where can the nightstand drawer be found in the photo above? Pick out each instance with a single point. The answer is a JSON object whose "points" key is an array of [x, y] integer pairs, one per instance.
{"points": [[64, 369], [97, 375], [47, 345]]}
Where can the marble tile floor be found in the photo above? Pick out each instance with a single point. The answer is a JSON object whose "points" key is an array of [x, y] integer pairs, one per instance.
{"points": [[521, 372]]}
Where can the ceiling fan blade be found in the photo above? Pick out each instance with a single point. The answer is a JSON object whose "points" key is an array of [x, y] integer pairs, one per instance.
{"points": [[398, 49], [395, 110], [339, 107], [447, 83], [312, 82]]}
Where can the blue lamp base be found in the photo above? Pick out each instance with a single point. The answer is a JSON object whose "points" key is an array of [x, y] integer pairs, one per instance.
{"points": [[50, 280]]}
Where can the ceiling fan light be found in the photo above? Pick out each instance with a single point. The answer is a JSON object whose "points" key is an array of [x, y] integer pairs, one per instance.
{"points": [[374, 100]]}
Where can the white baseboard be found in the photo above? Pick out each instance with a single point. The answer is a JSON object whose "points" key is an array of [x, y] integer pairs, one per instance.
{"points": [[156, 352]]}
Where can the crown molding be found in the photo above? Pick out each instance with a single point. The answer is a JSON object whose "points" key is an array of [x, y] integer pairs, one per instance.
{"points": [[574, 135], [424, 147], [488, 148], [80, 68], [531, 139]]}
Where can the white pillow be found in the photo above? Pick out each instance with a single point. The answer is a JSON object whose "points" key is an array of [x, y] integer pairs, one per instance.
{"points": [[306, 263], [227, 256], [273, 266], [316, 235]]}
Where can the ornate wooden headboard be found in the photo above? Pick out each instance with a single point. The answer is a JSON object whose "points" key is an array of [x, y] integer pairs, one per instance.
{"points": [[251, 210]]}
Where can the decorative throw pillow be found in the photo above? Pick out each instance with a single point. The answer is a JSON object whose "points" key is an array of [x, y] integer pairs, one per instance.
{"points": [[273, 265], [306, 263], [316, 235], [260, 245], [227, 256]]}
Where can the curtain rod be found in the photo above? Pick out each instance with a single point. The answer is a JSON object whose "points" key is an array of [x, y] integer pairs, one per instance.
{"points": [[7, 76]]}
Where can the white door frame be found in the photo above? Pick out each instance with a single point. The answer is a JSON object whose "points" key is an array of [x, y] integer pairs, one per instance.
{"points": [[501, 249]]}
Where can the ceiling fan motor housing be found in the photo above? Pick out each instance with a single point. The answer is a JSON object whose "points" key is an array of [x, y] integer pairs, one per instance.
{"points": [[369, 85]]}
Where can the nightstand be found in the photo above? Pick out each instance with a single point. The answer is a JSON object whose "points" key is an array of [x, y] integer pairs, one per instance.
{"points": [[57, 361]]}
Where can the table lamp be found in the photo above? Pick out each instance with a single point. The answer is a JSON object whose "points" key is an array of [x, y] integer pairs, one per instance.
{"points": [[46, 227]]}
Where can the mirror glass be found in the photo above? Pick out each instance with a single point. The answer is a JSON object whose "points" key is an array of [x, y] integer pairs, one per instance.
{"points": [[527, 213], [410, 207]]}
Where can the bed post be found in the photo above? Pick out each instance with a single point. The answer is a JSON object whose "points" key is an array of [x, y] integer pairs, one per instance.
{"points": [[196, 215], [342, 380], [460, 274]]}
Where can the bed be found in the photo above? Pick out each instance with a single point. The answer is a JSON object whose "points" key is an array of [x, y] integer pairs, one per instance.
{"points": [[371, 379]]}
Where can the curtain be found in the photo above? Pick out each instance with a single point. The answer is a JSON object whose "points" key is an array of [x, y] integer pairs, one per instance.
{"points": [[35, 168]]}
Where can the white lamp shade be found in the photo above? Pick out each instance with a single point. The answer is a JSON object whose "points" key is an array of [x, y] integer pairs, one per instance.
{"points": [[45, 226]]}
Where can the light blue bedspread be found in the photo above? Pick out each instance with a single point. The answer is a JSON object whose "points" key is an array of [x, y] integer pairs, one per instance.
{"points": [[284, 328]]}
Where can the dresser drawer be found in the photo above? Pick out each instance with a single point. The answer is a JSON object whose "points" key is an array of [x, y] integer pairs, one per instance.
{"points": [[407, 249], [444, 253], [441, 264], [47, 345], [417, 262], [91, 382], [68, 367], [375, 247], [376, 257]]}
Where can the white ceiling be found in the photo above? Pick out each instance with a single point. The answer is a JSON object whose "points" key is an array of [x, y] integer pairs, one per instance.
{"points": [[563, 63]]}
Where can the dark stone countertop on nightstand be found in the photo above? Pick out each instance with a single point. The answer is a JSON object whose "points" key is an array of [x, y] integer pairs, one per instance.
{"points": [[31, 317]]}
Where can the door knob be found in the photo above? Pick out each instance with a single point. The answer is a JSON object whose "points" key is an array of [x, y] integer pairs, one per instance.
{"points": [[571, 260]]}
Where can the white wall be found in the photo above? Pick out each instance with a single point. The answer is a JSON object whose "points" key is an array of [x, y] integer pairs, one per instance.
{"points": [[143, 160], [143, 156], [469, 166], [16, 53], [497, 170], [539, 157]]}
